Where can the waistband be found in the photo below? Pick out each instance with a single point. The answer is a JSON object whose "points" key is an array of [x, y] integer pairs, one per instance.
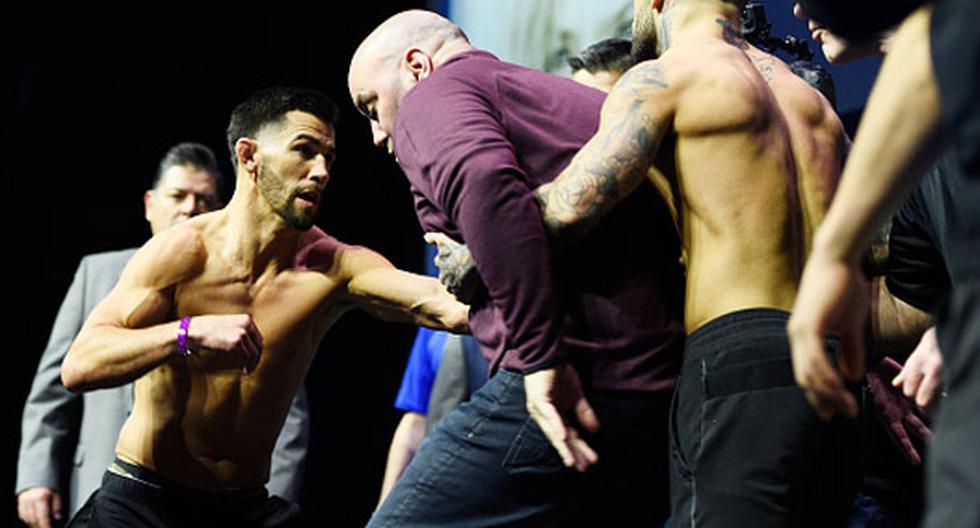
{"points": [[751, 323], [150, 478]]}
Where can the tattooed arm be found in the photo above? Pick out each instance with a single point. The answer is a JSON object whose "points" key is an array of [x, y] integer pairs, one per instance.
{"points": [[636, 116]]}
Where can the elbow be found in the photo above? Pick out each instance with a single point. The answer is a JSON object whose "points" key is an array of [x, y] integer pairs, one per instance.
{"points": [[71, 377], [74, 375]]}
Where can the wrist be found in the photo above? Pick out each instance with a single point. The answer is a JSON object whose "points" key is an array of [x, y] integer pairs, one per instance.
{"points": [[183, 337]]}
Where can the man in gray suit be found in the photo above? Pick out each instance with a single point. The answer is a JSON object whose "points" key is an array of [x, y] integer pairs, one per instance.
{"points": [[52, 468]]}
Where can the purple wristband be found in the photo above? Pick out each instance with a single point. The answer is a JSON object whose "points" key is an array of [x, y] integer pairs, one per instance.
{"points": [[182, 336]]}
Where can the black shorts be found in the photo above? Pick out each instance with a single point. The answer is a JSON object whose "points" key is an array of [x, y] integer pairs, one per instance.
{"points": [[746, 448], [132, 497]]}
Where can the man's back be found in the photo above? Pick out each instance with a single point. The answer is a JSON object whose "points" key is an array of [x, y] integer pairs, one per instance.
{"points": [[755, 152]]}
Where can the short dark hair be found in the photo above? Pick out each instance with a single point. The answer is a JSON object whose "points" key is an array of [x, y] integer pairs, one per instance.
{"points": [[189, 154], [612, 55], [271, 105]]}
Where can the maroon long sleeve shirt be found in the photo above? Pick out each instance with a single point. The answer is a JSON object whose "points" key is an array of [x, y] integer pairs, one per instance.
{"points": [[475, 139]]}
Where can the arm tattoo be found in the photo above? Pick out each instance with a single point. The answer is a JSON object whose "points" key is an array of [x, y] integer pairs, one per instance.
{"points": [[612, 164]]}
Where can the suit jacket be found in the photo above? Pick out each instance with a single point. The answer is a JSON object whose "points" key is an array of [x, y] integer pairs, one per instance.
{"points": [[68, 440]]}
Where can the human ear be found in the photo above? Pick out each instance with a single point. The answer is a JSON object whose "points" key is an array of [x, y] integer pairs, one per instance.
{"points": [[246, 152], [419, 63]]}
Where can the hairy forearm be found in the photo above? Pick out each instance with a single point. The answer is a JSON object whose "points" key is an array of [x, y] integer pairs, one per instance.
{"points": [[898, 139], [108, 356], [896, 326], [394, 295]]}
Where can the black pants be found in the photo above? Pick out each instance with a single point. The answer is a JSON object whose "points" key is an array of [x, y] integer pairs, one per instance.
{"points": [[133, 497], [953, 466], [746, 448]]}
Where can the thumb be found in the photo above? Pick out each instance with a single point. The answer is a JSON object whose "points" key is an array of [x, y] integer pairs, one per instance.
{"points": [[586, 416]]}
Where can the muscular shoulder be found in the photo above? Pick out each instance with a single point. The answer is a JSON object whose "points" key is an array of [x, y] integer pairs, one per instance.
{"points": [[170, 257]]}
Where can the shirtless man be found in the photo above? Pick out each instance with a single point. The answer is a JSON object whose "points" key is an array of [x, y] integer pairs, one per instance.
{"points": [[218, 319], [748, 154]]}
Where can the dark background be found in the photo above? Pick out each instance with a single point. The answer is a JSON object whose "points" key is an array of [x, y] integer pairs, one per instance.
{"points": [[98, 94]]}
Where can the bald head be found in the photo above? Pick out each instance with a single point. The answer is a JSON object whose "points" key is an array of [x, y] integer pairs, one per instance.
{"points": [[398, 54], [416, 28]]}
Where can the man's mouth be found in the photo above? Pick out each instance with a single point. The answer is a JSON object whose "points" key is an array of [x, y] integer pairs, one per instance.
{"points": [[311, 197]]}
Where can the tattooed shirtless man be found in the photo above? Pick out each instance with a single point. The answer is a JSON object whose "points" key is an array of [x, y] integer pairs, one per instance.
{"points": [[748, 155], [217, 320]]}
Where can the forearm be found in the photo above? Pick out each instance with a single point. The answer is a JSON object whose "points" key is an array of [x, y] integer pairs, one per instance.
{"points": [[395, 295], [896, 326], [108, 356], [898, 139], [404, 444]]}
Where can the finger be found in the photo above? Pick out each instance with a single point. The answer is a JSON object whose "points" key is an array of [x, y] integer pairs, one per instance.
{"points": [[42, 514], [911, 386], [553, 427], [821, 384], [584, 455], [25, 510], [56, 506], [898, 380], [928, 390], [586, 416], [432, 238]]}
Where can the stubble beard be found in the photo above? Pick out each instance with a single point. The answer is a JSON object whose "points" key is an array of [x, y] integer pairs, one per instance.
{"points": [[283, 200]]}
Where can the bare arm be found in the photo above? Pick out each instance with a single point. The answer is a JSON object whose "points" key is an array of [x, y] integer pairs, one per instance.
{"points": [[404, 444], [635, 118], [898, 138], [896, 326], [389, 293], [128, 333]]}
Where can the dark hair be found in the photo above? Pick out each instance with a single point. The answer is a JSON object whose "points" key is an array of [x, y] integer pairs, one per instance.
{"points": [[612, 54], [270, 106], [189, 154]]}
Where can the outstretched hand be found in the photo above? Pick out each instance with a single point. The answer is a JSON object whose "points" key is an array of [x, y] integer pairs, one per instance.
{"points": [[833, 298], [555, 400]]}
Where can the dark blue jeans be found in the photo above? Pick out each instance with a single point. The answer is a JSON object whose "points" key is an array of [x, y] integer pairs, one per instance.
{"points": [[488, 464], [746, 448]]}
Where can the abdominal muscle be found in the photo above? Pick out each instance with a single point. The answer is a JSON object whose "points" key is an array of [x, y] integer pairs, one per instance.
{"points": [[213, 431]]}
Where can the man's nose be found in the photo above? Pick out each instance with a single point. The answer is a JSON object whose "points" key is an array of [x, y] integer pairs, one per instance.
{"points": [[379, 136], [320, 171]]}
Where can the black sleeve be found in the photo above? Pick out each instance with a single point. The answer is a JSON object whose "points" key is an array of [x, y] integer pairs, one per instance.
{"points": [[916, 271]]}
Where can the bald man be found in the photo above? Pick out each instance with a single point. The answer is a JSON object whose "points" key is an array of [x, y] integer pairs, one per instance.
{"points": [[593, 333], [748, 153]]}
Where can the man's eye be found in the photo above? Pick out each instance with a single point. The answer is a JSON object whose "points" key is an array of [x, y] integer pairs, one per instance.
{"points": [[307, 151]]}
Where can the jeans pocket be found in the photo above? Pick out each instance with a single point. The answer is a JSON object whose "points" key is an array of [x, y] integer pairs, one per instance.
{"points": [[530, 452]]}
